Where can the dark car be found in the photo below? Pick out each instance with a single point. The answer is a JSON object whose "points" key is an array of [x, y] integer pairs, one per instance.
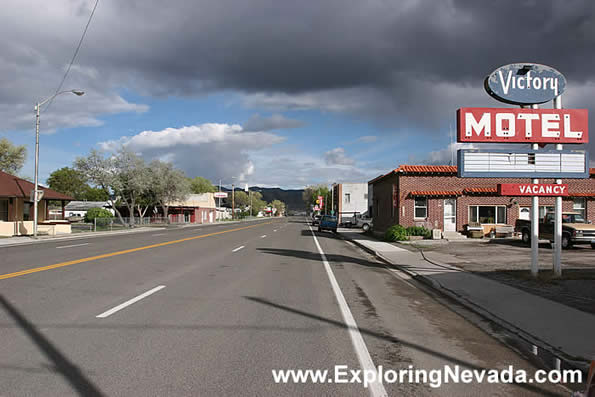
{"points": [[328, 222], [316, 220]]}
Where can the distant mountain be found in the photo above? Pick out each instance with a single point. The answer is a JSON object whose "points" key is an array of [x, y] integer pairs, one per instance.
{"points": [[291, 197]]}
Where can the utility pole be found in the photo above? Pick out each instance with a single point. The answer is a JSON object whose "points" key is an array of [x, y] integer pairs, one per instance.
{"points": [[233, 204], [219, 198]]}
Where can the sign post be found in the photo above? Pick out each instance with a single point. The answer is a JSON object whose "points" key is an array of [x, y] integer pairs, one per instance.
{"points": [[526, 85]]}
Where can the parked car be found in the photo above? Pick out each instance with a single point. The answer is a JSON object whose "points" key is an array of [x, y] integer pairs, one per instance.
{"points": [[359, 221], [316, 220], [328, 222], [575, 229]]}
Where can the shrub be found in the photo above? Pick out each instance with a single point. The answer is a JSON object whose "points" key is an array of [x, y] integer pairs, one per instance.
{"points": [[396, 233], [419, 231], [97, 213]]}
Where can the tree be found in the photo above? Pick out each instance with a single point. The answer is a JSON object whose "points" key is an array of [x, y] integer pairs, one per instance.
{"points": [[279, 206], [241, 199], [94, 194], [124, 174], [201, 185], [73, 183], [68, 181], [12, 157], [311, 193], [168, 184], [93, 213]]}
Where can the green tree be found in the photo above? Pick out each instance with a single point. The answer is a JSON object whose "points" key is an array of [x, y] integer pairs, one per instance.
{"points": [[201, 185], [93, 213], [241, 199], [68, 181], [279, 206], [311, 193], [94, 194], [12, 157]]}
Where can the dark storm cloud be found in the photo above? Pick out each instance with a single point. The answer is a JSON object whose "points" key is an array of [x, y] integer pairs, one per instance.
{"points": [[412, 62]]}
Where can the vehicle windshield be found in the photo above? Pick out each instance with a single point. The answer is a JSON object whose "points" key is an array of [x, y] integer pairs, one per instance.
{"points": [[329, 218], [573, 218]]}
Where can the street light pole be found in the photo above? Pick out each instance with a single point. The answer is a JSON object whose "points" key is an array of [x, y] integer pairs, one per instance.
{"points": [[233, 203], [36, 189]]}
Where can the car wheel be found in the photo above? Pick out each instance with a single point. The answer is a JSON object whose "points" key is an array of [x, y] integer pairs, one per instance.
{"points": [[334, 230], [566, 243], [319, 229], [593, 246], [526, 237], [366, 227]]}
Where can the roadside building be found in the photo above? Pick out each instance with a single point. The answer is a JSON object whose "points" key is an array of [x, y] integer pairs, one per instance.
{"points": [[80, 208], [433, 196], [16, 208], [197, 208], [350, 199]]}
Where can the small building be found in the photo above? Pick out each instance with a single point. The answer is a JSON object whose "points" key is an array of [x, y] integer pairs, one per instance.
{"points": [[350, 199], [197, 208], [80, 208], [16, 208], [434, 197]]}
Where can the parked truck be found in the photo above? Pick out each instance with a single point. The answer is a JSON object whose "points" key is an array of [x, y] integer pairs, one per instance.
{"points": [[575, 229]]}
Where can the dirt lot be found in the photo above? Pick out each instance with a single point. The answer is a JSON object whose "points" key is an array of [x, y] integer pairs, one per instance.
{"points": [[508, 261]]}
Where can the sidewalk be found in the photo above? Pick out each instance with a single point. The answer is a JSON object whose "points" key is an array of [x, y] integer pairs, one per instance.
{"points": [[12, 241], [564, 331]]}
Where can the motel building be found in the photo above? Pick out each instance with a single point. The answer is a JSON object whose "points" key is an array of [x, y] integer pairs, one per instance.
{"points": [[434, 197]]}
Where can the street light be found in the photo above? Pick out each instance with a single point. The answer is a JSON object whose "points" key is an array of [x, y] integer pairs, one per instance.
{"points": [[36, 191]]}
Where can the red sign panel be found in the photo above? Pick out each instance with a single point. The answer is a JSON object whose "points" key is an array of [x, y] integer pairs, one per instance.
{"points": [[530, 189], [504, 125]]}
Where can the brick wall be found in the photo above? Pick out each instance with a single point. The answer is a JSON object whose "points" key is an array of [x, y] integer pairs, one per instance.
{"points": [[384, 216]]}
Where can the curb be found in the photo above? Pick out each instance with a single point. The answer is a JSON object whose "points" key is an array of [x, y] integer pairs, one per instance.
{"points": [[79, 236], [578, 362]]}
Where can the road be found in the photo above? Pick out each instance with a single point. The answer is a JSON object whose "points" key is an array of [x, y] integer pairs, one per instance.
{"points": [[213, 310]]}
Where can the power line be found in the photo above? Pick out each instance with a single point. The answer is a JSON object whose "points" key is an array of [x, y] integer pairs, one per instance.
{"points": [[78, 47]]}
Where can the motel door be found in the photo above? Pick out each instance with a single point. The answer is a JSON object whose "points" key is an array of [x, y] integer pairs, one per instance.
{"points": [[450, 215]]}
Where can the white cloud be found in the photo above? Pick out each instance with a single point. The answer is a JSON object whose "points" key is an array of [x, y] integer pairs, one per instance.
{"points": [[337, 156], [215, 151]]}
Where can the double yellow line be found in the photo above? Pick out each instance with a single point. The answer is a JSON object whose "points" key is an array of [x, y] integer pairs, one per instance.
{"points": [[128, 251]]}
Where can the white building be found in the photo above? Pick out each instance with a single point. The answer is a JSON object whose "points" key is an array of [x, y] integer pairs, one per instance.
{"points": [[350, 199], [80, 208]]}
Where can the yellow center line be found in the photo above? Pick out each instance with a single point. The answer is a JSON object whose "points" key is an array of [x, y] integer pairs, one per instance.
{"points": [[92, 258]]}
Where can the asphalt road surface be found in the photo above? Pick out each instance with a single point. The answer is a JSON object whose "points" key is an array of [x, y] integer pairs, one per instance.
{"points": [[213, 310]]}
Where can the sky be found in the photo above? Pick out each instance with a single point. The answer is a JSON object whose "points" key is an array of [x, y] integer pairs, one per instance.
{"points": [[274, 93]]}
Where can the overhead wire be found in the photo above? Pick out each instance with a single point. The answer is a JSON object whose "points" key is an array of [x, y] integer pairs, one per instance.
{"points": [[78, 47]]}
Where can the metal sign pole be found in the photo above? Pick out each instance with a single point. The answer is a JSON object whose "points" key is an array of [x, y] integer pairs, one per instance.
{"points": [[535, 224], [558, 213]]}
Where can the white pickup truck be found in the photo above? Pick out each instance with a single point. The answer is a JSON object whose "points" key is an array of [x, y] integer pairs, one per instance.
{"points": [[359, 221]]}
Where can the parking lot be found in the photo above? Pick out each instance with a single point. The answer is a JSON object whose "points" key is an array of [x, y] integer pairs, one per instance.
{"points": [[509, 260]]}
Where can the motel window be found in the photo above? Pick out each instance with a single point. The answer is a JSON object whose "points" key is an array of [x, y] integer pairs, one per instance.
{"points": [[495, 214], [578, 205], [421, 208], [347, 198], [545, 209], [4, 210]]}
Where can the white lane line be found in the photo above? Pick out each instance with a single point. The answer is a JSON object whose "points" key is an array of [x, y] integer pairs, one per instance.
{"points": [[263, 236], [365, 361], [158, 234], [237, 249], [275, 230], [73, 245], [130, 302]]}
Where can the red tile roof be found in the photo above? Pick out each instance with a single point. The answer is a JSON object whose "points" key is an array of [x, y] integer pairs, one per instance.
{"points": [[12, 186], [490, 190], [427, 169], [436, 193]]}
